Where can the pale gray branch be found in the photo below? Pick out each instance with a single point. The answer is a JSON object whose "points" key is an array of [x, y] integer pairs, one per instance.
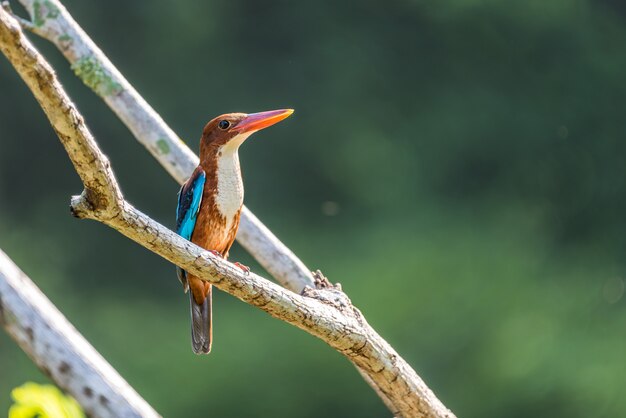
{"points": [[324, 311], [52, 21], [61, 351]]}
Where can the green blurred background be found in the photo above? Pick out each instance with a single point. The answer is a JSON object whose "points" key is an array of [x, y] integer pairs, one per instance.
{"points": [[457, 165]]}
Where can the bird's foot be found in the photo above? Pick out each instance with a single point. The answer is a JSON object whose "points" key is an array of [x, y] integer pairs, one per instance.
{"points": [[216, 253], [245, 269]]}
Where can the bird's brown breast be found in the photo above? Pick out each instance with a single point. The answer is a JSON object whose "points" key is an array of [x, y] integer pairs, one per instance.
{"points": [[213, 231]]}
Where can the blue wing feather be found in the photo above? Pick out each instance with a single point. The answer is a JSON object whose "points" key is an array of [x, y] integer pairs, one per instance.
{"points": [[189, 201]]}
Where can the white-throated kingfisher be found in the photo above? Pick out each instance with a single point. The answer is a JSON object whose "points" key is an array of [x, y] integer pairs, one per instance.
{"points": [[209, 206]]}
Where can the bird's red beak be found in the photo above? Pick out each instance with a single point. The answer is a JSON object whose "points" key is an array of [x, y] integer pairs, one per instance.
{"points": [[257, 121]]}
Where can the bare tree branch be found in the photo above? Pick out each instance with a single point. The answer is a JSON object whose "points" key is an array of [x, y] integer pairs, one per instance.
{"points": [[61, 352], [53, 22], [325, 311]]}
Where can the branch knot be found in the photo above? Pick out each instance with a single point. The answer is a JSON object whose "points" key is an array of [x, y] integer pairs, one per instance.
{"points": [[93, 205], [328, 294]]}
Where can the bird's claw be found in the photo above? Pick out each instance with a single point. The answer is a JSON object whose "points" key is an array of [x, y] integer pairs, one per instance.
{"points": [[245, 269], [216, 253]]}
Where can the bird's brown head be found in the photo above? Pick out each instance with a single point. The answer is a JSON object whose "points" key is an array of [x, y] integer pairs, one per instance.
{"points": [[230, 130]]}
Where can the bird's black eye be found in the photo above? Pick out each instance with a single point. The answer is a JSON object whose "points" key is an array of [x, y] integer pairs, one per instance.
{"points": [[223, 125]]}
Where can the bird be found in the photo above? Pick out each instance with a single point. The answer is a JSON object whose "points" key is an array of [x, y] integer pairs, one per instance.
{"points": [[209, 206]]}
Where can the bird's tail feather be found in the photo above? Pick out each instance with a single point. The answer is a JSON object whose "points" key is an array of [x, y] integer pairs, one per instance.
{"points": [[201, 326]]}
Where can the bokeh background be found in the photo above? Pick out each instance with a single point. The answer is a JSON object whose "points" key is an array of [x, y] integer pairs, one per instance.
{"points": [[457, 165]]}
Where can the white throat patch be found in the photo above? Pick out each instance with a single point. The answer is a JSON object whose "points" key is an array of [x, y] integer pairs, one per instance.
{"points": [[229, 183]]}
